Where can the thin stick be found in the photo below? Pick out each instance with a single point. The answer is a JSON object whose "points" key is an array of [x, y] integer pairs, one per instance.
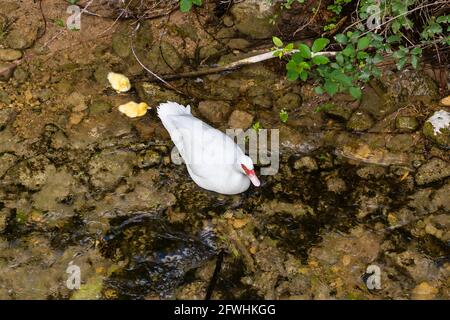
{"points": [[237, 64]]}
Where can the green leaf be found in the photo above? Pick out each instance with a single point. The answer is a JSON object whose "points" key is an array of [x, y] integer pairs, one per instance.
{"points": [[401, 63], [304, 51], [363, 43], [342, 78], [319, 90], [289, 47], [320, 60], [330, 87], [392, 39], [292, 75], [284, 116], [297, 57], [414, 61], [185, 5], [340, 58], [362, 55], [416, 51], [319, 44], [355, 92], [341, 38], [304, 75], [59, 22], [349, 51], [291, 65], [277, 41]]}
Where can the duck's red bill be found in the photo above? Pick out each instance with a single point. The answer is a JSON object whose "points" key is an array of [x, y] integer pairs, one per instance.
{"points": [[254, 179]]}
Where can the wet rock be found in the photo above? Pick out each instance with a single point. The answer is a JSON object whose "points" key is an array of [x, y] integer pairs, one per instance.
{"points": [[171, 56], [340, 111], [336, 185], [252, 18], [32, 173], [148, 159], [153, 94], [107, 168], [59, 197], [437, 128], [10, 54], [7, 160], [6, 70], [360, 121], [77, 101], [401, 142], [214, 111], [240, 120], [18, 39], [101, 75], [238, 44], [376, 103], [225, 33], [424, 291], [307, 163], [4, 98], [121, 43], [406, 124], [209, 50], [20, 74], [434, 170], [98, 128], [288, 102], [99, 106], [6, 116]]}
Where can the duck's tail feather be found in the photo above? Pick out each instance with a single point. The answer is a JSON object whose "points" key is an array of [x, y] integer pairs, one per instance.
{"points": [[172, 109]]}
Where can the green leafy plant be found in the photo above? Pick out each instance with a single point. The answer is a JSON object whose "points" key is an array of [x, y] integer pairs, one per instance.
{"points": [[284, 116], [59, 23], [186, 5], [337, 6], [256, 126]]}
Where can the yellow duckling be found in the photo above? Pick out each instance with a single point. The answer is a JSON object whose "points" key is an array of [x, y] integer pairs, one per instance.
{"points": [[119, 82], [133, 109]]}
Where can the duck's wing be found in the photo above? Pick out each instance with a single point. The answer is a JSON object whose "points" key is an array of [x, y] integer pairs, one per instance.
{"points": [[204, 149]]}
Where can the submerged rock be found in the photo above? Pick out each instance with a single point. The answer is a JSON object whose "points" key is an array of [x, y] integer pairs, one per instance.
{"points": [[406, 124], [252, 18], [240, 120], [214, 111], [360, 121], [437, 128], [107, 168], [434, 170], [10, 54]]}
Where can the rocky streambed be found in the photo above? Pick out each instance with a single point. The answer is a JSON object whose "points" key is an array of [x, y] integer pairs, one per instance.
{"points": [[361, 183]]}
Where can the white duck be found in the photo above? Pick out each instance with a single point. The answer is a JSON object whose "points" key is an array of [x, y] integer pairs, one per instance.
{"points": [[214, 161]]}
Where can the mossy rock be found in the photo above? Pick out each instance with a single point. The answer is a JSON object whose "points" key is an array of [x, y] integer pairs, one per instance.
{"points": [[442, 138]]}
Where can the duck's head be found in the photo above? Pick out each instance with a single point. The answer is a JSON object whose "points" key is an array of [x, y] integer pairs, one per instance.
{"points": [[246, 167]]}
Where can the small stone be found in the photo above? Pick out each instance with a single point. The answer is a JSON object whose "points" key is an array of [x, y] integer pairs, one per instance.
{"points": [[406, 124], [240, 120], [6, 115], [338, 111], [77, 101], [445, 101], [20, 75], [214, 111], [434, 170], [360, 121], [10, 54], [336, 185], [238, 44], [288, 102], [4, 98], [6, 70], [75, 118], [121, 44], [228, 21], [18, 39], [424, 291], [307, 163], [148, 159]]}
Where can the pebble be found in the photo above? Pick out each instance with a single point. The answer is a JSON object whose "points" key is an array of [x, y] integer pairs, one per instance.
{"points": [[10, 54]]}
